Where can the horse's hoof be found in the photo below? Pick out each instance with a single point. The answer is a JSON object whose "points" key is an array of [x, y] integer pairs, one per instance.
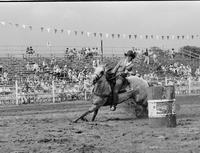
{"points": [[84, 119], [75, 121]]}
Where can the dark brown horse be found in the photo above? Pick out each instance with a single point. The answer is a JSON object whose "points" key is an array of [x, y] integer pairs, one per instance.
{"points": [[135, 92]]}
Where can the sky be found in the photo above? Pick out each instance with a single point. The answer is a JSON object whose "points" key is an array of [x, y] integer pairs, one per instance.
{"points": [[139, 17]]}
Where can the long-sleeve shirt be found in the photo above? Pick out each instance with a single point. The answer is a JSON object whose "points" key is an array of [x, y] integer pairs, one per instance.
{"points": [[123, 66]]}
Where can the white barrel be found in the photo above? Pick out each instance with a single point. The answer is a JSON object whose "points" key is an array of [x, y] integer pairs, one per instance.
{"points": [[161, 106]]}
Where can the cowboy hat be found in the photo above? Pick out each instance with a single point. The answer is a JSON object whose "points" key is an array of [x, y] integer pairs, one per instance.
{"points": [[130, 53]]}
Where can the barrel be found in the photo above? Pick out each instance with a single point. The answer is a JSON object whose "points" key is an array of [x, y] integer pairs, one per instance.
{"points": [[161, 106]]}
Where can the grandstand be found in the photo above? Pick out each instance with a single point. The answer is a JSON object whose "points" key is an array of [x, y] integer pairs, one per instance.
{"points": [[15, 64], [68, 72]]}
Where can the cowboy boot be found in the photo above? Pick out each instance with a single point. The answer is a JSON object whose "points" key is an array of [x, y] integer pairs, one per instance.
{"points": [[114, 104], [113, 108]]}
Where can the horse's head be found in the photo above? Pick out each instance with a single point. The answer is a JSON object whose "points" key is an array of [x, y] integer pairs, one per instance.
{"points": [[98, 73]]}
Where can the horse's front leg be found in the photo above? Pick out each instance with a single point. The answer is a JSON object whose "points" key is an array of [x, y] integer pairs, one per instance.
{"points": [[92, 109], [82, 116], [95, 114], [98, 102]]}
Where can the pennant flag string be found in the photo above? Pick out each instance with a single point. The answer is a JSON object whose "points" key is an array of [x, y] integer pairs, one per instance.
{"points": [[101, 35]]}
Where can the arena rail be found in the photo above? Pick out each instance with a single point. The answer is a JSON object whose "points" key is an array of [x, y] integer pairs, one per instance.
{"points": [[58, 92], [186, 87]]}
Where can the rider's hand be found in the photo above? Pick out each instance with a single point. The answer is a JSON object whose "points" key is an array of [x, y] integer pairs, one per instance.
{"points": [[124, 75]]}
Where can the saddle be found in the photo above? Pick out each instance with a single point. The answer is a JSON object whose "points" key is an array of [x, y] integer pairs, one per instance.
{"points": [[112, 77]]}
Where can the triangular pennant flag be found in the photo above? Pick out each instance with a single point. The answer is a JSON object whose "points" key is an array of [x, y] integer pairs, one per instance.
{"points": [[30, 27], [157, 37], [183, 37], [17, 25], [113, 35], [135, 36], [151, 36], [118, 35], [82, 32], [42, 28], [100, 34], [88, 34], [162, 37], [167, 37], [55, 30], [24, 26], [3, 23], [129, 36], [68, 32], [95, 34], [178, 37], [146, 36], [75, 32], [61, 30], [192, 36], [48, 30]]}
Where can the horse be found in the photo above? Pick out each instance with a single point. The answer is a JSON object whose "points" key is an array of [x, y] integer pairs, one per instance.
{"points": [[133, 91]]}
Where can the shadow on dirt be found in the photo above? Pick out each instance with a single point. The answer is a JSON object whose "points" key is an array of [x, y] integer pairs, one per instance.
{"points": [[123, 119], [181, 116]]}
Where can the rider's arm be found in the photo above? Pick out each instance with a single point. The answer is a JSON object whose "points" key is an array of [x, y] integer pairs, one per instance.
{"points": [[116, 67], [130, 67]]}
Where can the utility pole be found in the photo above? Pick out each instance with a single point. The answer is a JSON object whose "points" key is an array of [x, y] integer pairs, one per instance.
{"points": [[101, 50]]}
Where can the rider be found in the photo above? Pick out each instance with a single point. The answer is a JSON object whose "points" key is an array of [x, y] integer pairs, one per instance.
{"points": [[126, 64]]}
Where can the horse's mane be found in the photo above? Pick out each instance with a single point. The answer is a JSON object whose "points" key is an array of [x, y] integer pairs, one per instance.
{"points": [[102, 88]]}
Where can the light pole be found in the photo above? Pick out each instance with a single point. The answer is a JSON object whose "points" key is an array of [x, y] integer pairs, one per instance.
{"points": [[101, 50]]}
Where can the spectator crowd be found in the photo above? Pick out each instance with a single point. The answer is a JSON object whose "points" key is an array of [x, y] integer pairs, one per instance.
{"points": [[73, 72]]}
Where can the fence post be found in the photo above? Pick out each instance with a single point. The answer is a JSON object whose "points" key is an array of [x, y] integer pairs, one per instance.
{"points": [[85, 95], [16, 92], [165, 80], [53, 91], [102, 51], [189, 85]]}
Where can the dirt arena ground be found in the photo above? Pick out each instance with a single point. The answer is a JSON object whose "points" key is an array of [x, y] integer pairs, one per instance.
{"points": [[48, 128]]}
